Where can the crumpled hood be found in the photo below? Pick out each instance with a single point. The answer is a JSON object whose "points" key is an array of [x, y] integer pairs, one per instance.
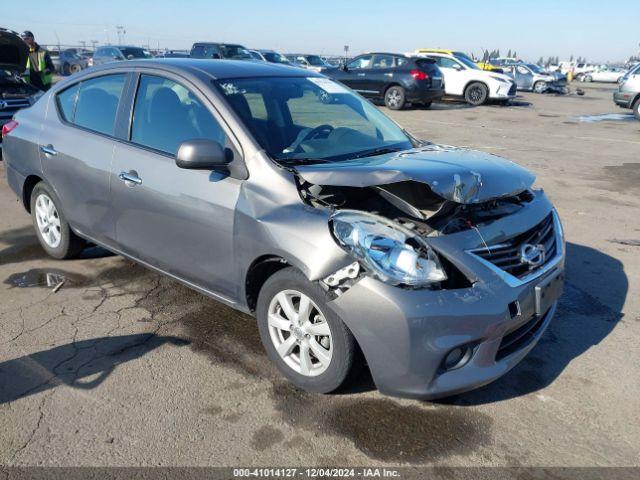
{"points": [[13, 51], [456, 174]]}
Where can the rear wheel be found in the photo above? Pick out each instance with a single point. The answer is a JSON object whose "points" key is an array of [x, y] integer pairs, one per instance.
{"points": [[394, 98], [52, 228], [75, 68], [309, 343], [636, 109], [476, 93]]}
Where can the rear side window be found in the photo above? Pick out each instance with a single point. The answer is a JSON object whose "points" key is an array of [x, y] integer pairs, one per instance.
{"points": [[382, 61], [93, 103], [167, 114]]}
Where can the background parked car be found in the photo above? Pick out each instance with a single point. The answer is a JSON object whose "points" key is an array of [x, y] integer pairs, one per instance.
{"points": [[628, 93], [310, 62], [15, 93], [70, 61], [114, 53], [272, 56], [463, 78], [395, 78], [256, 55], [532, 78], [220, 50], [174, 54], [606, 74]]}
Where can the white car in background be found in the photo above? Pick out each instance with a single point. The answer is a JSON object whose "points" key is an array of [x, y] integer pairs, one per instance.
{"points": [[463, 78], [607, 74]]}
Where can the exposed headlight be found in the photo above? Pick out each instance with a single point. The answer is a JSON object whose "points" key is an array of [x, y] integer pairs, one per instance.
{"points": [[390, 252]]}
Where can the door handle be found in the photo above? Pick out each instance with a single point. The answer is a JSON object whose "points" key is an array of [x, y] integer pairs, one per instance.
{"points": [[48, 150], [130, 178], [361, 74]]}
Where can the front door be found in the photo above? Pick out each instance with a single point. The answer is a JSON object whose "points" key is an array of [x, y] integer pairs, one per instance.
{"points": [[355, 74], [76, 151], [180, 221]]}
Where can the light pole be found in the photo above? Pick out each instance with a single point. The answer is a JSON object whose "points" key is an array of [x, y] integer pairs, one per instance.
{"points": [[121, 33]]}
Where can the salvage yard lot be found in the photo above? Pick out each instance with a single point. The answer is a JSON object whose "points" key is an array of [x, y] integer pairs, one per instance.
{"points": [[121, 366]]}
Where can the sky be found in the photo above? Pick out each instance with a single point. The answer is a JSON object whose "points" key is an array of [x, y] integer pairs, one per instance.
{"points": [[587, 28]]}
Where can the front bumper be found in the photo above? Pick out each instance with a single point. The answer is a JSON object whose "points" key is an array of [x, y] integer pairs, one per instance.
{"points": [[405, 334], [504, 91], [623, 99]]}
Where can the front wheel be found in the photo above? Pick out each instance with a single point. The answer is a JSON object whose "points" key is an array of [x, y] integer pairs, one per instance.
{"points": [[394, 98], [540, 87], [51, 226], [476, 94], [636, 109], [588, 78], [75, 68], [309, 343]]}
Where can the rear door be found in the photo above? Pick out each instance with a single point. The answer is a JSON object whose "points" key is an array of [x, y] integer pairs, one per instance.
{"points": [[455, 77], [76, 151], [180, 221]]}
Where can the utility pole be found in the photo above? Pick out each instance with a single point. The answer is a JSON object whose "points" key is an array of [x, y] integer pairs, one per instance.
{"points": [[83, 43], [93, 44], [121, 34]]}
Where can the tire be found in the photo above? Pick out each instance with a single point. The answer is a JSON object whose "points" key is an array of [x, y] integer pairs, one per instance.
{"points": [[636, 109], [74, 68], [588, 78], [342, 354], [52, 229], [476, 93], [65, 69], [395, 98], [539, 86]]}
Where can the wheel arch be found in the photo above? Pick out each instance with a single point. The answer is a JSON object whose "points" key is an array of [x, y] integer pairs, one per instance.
{"points": [[260, 270], [27, 189], [470, 82]]}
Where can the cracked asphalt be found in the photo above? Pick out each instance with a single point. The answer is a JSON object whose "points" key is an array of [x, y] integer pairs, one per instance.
{"points": [[123, 367]]}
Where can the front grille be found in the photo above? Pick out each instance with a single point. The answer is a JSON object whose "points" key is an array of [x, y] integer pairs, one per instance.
{"points": [[521, 336], [508, 256]]}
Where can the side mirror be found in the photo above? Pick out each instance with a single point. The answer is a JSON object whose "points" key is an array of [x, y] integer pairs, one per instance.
{"points": [[344, 67], [203, 154]]}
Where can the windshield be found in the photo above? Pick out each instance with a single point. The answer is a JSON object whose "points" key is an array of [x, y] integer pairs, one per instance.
{"points": [[129, 52], [274, 57], [315, 61], [234, 52], [467, 62], [535, 68], [311, 119]]}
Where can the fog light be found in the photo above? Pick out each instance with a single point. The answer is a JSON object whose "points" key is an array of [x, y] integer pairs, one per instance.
{"points": [[458, 357]]}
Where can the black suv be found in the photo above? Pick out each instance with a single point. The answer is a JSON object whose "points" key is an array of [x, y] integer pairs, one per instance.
{"points": [[220, 50], [395, 78]]}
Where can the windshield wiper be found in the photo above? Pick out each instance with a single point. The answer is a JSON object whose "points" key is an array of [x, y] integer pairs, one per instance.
{"points": [[301, 160], [376, 152]]}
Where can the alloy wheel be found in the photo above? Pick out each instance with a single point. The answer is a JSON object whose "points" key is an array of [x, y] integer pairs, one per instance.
{"points": [[48, 220], [300, 333], [540, 87], [393, 98], [475, 94]]}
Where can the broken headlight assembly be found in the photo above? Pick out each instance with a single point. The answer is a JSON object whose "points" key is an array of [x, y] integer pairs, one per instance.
{"points": [[390, 252]]}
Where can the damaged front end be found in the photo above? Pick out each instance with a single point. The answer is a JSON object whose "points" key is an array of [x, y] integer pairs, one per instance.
{"points": [[385, 210]]}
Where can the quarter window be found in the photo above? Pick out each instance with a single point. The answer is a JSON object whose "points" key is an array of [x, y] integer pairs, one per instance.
{"points": [[93, 103], [167, 114]]}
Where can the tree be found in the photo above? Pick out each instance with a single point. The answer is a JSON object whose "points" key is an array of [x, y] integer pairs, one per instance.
{"points": [[509, 54], [541, 61], [515, 55], [571, 58]]}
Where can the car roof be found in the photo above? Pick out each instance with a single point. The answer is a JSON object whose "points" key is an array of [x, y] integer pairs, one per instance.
{"points": [[434, 50], [387, 53], [120, 46], [217, 69]]}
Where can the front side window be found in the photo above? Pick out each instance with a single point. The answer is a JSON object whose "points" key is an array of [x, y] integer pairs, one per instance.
{"points": [[360, 62], [274, 57], [132, 52], [167, 114], [315, 61], [382, 61], [93, 103], [310, 119], [235, 52]]}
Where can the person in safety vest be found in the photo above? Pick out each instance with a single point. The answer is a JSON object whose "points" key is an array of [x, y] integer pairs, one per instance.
{"points": [[39, 67]]}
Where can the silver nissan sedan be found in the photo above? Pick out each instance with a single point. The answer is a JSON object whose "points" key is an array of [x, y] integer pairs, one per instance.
{"points": [[285, 195]]}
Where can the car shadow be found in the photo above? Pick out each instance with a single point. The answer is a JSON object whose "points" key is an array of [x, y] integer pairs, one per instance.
{"points": [[81, 365], [581, 322]]}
